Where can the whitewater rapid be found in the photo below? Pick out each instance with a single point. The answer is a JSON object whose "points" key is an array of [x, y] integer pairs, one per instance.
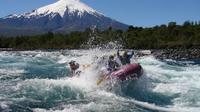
{"points": [[39, 81]]}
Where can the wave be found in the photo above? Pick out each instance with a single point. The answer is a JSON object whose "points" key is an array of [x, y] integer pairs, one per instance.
{"points": [[40, 81]]}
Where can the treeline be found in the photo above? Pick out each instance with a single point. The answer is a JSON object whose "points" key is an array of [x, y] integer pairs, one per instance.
{"points": [[172, 35], [45, 41]]}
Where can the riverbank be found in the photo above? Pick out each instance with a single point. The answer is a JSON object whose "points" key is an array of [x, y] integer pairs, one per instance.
{"points": [[176, 53]]}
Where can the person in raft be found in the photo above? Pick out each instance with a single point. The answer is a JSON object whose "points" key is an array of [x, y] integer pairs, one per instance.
{"points": [[74, 66], [112, 64], [110, 67], [126, 57]]}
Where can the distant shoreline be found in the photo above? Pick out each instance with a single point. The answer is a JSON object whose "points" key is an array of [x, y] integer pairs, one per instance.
{"points": [[177, 54]]}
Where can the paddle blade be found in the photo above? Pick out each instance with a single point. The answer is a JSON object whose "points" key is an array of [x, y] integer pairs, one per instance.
{"points": [[100, 81]]}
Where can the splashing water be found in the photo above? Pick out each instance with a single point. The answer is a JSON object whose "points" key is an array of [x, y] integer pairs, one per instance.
{"points": [[39, 81]]}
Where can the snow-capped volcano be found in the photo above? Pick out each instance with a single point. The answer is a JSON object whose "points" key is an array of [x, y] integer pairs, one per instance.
{"points": [[61, 7], [62, 16]]}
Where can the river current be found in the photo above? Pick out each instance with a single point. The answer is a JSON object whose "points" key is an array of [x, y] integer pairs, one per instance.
{"points": [[39, 81]]}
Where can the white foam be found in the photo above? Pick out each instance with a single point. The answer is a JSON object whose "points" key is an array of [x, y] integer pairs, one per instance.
{"points": [[68, 109], [167, 79], [4, 105], [175, 80]]}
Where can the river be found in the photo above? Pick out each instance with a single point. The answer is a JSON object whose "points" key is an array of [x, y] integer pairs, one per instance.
{"points": [[39, 81]]}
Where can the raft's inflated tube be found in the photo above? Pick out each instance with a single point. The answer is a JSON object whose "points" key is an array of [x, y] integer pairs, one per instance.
{"points": [[133, 71]]}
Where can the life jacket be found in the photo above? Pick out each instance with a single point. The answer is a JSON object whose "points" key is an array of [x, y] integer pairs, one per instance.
{"points": [[126, 59], [112, 65]]}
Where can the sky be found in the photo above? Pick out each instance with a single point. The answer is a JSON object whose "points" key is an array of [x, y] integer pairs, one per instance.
{"points": [[145, 13]]}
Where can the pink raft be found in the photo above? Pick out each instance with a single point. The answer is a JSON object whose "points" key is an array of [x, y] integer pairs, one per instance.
{"points": [[131, 71]]}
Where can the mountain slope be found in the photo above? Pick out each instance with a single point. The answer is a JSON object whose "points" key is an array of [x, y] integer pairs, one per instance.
{"points": [[62, 16]]}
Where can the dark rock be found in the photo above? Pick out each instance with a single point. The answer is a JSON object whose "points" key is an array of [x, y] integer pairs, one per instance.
{"points": [[177, 53]]}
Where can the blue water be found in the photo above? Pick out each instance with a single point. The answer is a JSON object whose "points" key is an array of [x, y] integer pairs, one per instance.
{"points": [[39, 81]]}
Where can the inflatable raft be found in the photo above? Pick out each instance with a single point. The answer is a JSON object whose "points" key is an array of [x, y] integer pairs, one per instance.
{"points": [[131, 71]]}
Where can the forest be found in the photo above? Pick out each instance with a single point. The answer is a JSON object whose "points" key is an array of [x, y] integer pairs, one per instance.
{"points": [[163, 36]]}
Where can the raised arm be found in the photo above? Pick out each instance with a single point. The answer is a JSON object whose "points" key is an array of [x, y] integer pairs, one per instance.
{"points": [[118, 52]]}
